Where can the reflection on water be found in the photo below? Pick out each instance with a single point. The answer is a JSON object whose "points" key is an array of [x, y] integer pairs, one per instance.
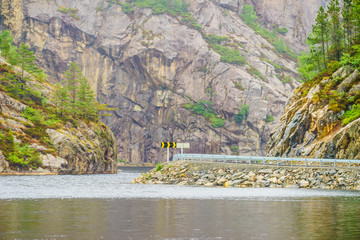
{"points": [[182, 219], [169, 212]]}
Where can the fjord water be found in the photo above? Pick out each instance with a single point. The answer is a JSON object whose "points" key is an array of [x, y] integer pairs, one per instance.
{"points": [[109, 207]]}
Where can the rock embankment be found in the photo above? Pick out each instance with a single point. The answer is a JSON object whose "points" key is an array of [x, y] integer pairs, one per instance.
{"points": [[235, 175]]}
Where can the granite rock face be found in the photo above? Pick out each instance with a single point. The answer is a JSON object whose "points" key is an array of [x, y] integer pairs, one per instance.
{"points": [[297, 16], [148, 66], [313, 126]]}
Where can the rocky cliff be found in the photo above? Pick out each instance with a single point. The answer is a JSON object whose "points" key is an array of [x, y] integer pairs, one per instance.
{"points": [[151, 66], [297, 16], [321, 119], [34, 141]]}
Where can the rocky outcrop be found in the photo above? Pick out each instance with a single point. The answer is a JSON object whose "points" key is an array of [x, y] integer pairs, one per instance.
{"points": [[149, 66], [86, 149], [245, 176], [61, 148], [314, 124]]}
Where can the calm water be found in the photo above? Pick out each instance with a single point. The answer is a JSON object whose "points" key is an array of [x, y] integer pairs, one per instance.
{"points": [[108, 207]]}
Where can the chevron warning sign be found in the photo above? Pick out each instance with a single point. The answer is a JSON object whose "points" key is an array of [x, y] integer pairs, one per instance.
{"points": [[168, 144]]}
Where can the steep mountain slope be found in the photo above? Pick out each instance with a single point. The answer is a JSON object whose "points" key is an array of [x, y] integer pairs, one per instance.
{"points": [[155, 68], [315, 123], [34, 140], [297, 16]]}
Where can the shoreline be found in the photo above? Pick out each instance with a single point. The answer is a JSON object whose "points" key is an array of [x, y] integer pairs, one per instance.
{"points": [[252, 176]]}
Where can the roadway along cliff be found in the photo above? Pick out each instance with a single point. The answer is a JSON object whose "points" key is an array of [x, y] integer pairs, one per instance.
{"points": [[155, 68]]}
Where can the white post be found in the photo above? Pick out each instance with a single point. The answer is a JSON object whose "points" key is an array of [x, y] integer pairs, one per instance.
{"points": [[168, 154]]}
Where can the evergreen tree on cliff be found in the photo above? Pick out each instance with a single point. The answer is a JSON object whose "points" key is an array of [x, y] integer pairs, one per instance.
{"points": [[348, 17], [61, 99], [336, 32], [72, 77], [26, 59], [86, 103]]}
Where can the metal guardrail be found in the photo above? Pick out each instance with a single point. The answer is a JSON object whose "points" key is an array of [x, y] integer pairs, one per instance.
{"points": [[262, 160]]}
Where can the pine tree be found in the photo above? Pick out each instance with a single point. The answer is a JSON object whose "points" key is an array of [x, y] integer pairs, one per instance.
{"points": [[26, 59], [61, 100], [73, 76], [320, 33], [6, 41], [347, 13], [336, 30], [356, 17], [86, 100]]}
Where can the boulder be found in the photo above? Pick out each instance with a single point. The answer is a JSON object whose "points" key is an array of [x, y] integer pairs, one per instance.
{"points": [[304, 184]]}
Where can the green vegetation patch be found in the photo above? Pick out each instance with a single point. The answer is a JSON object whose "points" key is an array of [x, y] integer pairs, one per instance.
{"points": [[72, 11], [204, 108], [269, 118], [242, 114], [229, 55], [159, 166], [24, 156], [255, 72], [351, 115]]}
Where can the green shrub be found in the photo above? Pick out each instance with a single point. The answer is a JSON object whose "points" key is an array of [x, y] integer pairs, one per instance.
{"points": [[229, 55], [175, 7], [159, 166], [67, 10], [269, 118], [7, 142], [239, 86], [234, 148], [351, 115], [249, 15], [254, 71], [214, 39], [71, 11], [242, 114], [24, 156], [217, 122], [204, 108], [127, 8], [33, 115], [283, 30], [122, 161]]}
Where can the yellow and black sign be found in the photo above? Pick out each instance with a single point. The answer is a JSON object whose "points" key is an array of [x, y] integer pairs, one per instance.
{"points": [[168, 144]]}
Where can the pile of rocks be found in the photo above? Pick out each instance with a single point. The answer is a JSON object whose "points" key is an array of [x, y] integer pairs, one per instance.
{"points": [[234, 175]]}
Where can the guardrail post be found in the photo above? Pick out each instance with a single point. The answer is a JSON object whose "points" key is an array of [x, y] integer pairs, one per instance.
{"points": [[277, 161], [249, 160], [211, 158], [263, 160], [200, 157], [305, 163], [349, 164], [237, 160]]}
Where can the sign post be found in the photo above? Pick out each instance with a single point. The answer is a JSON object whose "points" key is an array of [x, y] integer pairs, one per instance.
{"points": [[167, 155], [168, 145]]}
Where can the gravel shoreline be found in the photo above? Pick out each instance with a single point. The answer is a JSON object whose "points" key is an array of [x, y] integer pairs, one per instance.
{"points": [[238, 175]]}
